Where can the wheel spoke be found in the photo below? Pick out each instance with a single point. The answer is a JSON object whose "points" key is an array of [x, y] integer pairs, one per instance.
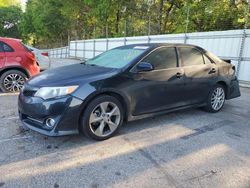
{"points": [[115, 111], [13, 82], [112, 126], [104, 106], [104, 119], [217, 98], [93, 118], [99, 130]]}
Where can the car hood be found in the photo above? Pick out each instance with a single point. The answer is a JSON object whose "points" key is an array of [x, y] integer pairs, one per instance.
{"points": [[71, 74]]}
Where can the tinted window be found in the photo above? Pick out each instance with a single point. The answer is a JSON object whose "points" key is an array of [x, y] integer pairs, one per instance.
{"points": [[162, 58], [1, 47], [191, 56], [7, 48]]}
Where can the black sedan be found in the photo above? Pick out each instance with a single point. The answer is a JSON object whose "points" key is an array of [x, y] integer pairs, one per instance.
{"points": [[124, 84]]}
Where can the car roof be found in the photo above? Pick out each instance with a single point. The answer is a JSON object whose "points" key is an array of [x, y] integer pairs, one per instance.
{"points": [[161, 44], [156, 45], [9, 39]]}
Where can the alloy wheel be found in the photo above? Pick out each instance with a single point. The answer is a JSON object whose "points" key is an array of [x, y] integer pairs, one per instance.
{"points": [[104, 119], [13, 82], [218, 98]]}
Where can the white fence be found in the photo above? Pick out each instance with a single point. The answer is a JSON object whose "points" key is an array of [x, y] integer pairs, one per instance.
{"points": [[233, 45], [62, 52]]}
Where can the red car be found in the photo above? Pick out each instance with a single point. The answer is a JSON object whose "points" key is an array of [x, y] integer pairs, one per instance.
{"points": [[17, 63]]}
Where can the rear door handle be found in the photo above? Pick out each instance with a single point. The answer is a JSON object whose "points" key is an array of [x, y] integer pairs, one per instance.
{"points": [[178, 75], [213, 70]]}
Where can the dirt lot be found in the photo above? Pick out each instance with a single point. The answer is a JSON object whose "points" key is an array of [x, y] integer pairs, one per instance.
{"points": [[188, 148]]}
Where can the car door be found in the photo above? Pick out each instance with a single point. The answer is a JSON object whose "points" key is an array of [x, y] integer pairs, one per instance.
{"points": [[200, 74], [2, 56], [160, 88]]}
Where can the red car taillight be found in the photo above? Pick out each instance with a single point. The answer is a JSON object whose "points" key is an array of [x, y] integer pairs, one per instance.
{"points": [[45, 53]]}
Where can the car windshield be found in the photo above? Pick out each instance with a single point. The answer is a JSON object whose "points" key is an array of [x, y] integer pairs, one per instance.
{"points": [[117, 58]]}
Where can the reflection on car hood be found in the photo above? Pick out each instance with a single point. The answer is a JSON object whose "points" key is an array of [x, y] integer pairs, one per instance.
{"points": [[72, 74]]}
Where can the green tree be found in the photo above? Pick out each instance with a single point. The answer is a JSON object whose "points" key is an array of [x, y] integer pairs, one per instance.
{"points": [[51, 23], [9, 20], [7, 3]]}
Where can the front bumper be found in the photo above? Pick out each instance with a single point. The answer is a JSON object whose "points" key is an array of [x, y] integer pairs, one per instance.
{"points": [[34, 111]]}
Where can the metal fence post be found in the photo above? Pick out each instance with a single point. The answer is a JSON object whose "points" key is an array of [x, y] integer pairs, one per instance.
{"points": [[243, 39], [242, 44], [75, 49], [187, 22], [84, 50], [94, 48], [185, 38], [67, 51], [107, 44], [149, 39]]}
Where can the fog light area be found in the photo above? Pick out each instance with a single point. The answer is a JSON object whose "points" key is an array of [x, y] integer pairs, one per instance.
{"points": [[50, 122]]}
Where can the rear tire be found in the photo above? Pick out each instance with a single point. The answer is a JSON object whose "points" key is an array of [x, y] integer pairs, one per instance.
{"points": [[102, 118], [12, 81], [216, 99]]}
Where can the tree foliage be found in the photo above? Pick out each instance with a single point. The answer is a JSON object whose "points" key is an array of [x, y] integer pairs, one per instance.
{"points": [[50, 23], [9, 20]]}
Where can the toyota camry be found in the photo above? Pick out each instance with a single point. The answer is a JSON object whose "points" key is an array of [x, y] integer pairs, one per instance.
{"points": [[124, 84]]}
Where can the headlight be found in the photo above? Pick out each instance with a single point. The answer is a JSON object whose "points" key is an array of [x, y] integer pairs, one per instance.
{"points": [[53, 92]]}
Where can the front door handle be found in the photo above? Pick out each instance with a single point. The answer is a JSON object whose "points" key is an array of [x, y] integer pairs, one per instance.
{"points": [[213, 70], [178, 75]]}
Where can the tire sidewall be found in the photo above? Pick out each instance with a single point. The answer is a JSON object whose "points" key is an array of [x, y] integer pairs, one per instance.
{"points": [[3, 76], [84, 125]]}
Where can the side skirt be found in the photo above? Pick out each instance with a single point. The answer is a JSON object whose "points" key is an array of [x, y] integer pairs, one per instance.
{"points": [[133, 118]]}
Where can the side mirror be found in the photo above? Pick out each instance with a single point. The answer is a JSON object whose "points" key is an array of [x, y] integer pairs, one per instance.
{"points": [[144, 67]]}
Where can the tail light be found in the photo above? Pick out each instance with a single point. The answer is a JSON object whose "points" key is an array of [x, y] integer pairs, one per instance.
{"points": [[45, 53]]}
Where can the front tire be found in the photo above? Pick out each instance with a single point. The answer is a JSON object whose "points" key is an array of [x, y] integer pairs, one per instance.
{"points": [[216, 99], [102, 117], [12, 81]]}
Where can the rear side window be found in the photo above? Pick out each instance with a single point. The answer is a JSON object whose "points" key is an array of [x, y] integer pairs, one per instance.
{"points": [[1, 47], [190, 56], [163, 58], [7, 48]]}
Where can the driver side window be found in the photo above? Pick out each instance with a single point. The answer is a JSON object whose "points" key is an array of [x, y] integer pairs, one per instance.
{"points": [[163, 58]]}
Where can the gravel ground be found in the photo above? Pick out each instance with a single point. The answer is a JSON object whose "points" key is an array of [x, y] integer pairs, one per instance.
{"points": [[189, 148]]}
